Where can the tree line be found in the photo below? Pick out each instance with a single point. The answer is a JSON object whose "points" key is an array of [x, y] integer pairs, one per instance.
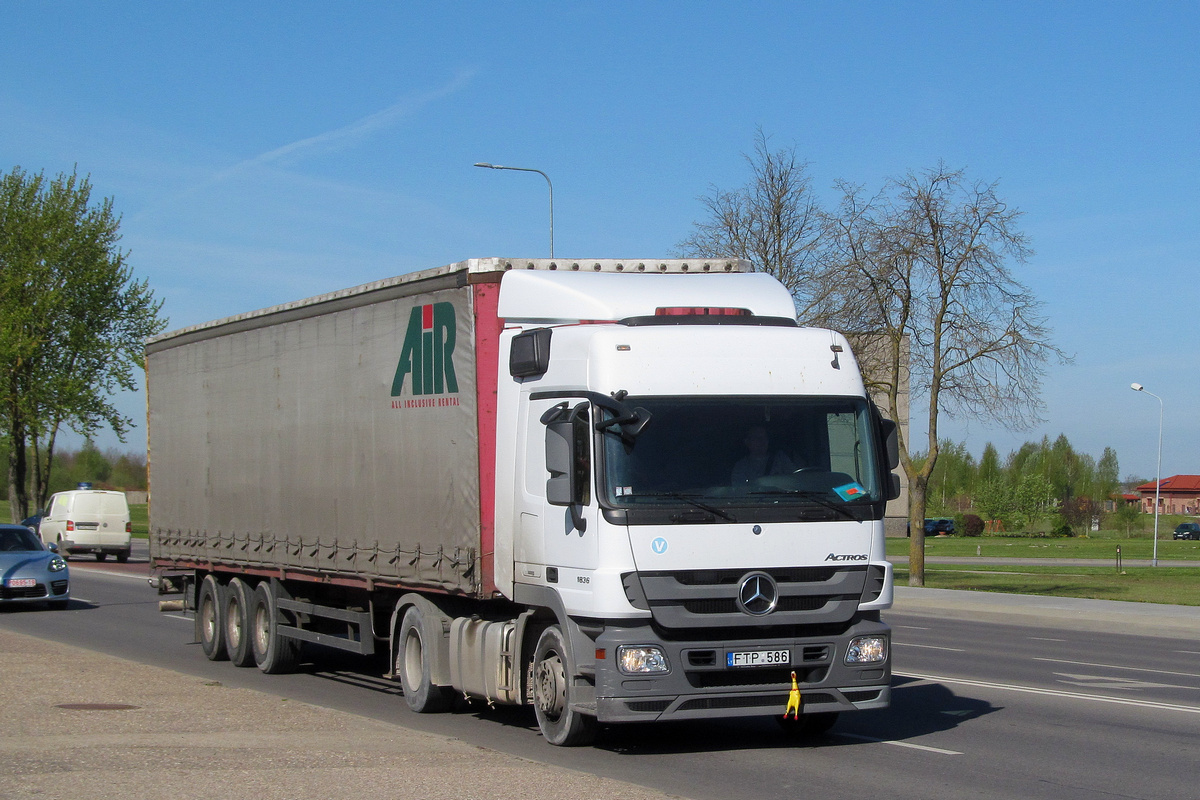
{"points": [[104, 469], [1039, 485]]}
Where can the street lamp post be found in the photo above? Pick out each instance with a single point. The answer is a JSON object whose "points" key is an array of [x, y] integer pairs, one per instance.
{"points": [[486, 165], [1137, 387]]}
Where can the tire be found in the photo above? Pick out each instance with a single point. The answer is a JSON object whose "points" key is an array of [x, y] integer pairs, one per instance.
{"points": [[210, 619], [809, 724], [274, 654], [413, 665], [101, 556], [237, 623], [123, 557], [560, 724]]}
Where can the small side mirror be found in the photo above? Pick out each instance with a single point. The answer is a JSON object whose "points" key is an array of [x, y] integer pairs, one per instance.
{"points": [[52, 547]]}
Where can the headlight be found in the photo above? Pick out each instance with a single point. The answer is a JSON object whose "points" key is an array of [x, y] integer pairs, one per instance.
{"points": [[867, 650], [641, 659], [56, 564]]}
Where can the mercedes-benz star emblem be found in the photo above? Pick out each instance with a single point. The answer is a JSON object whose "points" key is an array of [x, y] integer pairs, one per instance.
{"points": [[758, 594]]}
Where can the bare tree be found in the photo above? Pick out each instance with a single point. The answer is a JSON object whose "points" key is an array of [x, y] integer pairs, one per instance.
{"points": [[774, 222], [927, 261]]}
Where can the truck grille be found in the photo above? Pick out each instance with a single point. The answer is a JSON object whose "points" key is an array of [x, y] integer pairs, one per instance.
{"points": [[709, 598]]}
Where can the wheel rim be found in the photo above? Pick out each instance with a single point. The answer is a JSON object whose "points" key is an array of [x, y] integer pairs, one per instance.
{"points": [[234, 629], [413, 654], [208, 619], [551, 683], [262, 631]]}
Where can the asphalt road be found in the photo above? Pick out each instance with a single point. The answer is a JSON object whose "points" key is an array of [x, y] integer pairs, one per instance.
{"points": [[980, 709]]}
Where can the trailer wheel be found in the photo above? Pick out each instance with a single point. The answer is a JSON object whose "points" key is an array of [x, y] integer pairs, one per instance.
{"points": [[413, 666], [210, 627], [559, 723], [273, 653], [237, 623]]}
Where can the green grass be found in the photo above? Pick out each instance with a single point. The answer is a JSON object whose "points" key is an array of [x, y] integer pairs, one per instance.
{"points": [[1176, 585], [1076, 547]]}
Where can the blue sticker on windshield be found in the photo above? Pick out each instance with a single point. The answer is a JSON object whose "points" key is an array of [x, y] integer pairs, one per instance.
{"points": [[851, 491]]}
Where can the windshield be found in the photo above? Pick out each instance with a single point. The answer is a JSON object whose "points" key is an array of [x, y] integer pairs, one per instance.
{"points": [[718, 455], [18, 539]]}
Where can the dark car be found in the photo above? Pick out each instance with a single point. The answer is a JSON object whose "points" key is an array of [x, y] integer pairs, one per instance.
{"points": [[1187, 530], [29, 572], [933, 527]]}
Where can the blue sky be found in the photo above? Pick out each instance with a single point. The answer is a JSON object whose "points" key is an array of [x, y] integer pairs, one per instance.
{"points": [[261, 153]]}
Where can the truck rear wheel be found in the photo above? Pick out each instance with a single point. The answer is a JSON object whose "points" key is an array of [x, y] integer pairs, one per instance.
{"points": [[274, 654], [210, 627], [552, 694], [413, 666], [237, 623]]}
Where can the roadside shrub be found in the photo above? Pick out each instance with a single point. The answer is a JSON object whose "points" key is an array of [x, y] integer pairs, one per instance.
{"points": [[1061, 528], [972, 525]]}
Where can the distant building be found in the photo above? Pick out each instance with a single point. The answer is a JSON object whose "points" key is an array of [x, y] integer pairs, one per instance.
{"points": [[1178, 494]]}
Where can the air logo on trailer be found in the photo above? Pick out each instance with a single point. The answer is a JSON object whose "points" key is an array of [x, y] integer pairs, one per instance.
{"points": [[427, 357]]}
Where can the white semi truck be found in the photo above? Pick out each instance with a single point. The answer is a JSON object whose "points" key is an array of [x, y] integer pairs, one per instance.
{"points": [[615, 491]]}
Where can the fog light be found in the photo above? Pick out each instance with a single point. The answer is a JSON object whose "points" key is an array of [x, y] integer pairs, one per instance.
{"points": [[867, 650], [641, 659]]}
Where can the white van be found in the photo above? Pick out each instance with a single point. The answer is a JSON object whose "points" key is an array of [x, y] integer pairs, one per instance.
{"points": [[88, 521]]}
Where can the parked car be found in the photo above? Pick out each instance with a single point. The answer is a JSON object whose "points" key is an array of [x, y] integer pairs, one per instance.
{"points": [[32, 572], [933, 527], [1187, 530], [88, 521]]}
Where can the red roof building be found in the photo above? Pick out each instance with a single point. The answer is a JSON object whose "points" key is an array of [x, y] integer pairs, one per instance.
{"points": [[1178, 494]]}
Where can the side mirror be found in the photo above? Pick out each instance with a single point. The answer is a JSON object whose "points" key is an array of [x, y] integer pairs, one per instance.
{"points": [[889, 433], [52, 547]]}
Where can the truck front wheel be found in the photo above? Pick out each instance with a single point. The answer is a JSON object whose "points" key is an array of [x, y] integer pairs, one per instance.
{"points": [[552, 694], [413, 666], [210, 628]]}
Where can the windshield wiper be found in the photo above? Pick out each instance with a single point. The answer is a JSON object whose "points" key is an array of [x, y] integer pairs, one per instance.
{"points": [[808, 494], [692, 501]]}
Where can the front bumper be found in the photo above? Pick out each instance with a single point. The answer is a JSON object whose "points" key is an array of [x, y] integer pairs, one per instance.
{"points": [[700, 686], [43, 590]]}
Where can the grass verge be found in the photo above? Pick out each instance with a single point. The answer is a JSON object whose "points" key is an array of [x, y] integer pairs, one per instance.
{"points": [[1173, 585]]}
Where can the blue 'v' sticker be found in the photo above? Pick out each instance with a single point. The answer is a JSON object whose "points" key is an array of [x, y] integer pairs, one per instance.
{"points": [[659, 545]]}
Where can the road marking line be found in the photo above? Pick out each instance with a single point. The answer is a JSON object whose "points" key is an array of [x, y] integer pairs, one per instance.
{"points": [[931, 647], [1115, 666], [177, 616], [1045, 639], [81, 571], [909, 745], [1188, 652], [912, 627], [1052, 693]]}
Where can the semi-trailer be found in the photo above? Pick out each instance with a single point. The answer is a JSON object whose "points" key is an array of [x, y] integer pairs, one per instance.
{"points": [[615, 491]]}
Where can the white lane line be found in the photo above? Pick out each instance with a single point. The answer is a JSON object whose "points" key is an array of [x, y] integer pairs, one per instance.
{"points": [[1052, 693], [82, 599], [178, 616], [912, 627], [78, 571], [1045, 639], [1188, 652], [894, 743], [1117, 666], [931, 647]]}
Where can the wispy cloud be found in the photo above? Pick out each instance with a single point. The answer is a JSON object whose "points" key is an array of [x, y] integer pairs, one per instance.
{"points": [[330, 141], [348, 135]]}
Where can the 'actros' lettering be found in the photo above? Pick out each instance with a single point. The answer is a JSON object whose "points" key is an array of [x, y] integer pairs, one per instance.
{"points": [[846, 557]]}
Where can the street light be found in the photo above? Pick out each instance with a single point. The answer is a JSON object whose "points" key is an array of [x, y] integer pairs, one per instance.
{"points": [[1137, 387], [486, 165]]}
